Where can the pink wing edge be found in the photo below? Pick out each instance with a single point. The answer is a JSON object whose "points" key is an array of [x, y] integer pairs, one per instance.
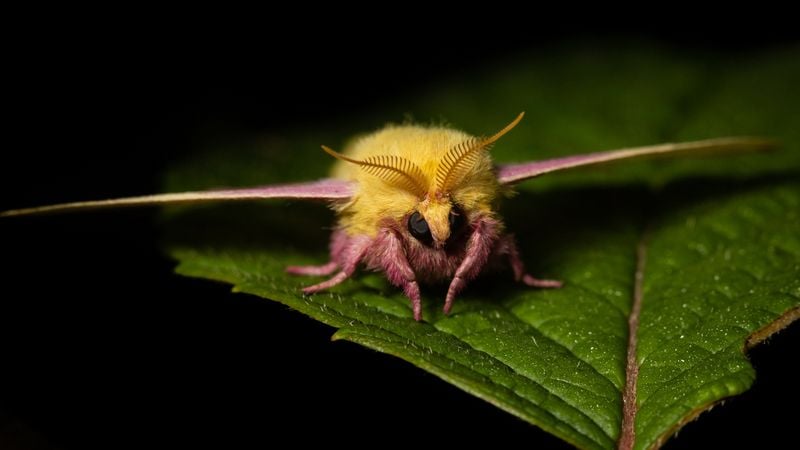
{"points": [[514, 173], [325, 189]]}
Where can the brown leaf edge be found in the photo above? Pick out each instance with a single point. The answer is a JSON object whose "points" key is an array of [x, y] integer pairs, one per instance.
{"points": [[755, 338]]}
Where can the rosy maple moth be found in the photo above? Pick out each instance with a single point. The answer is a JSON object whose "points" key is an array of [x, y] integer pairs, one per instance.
{"points": [[416, 203]]}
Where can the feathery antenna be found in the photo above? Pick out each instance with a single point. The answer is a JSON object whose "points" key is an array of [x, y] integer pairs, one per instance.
{"points": [[393, 169], [458, 161]]}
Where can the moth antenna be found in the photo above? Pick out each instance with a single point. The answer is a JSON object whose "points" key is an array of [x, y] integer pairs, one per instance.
{"points": [[393, 169], [457, 162], [338, 155], [491, 140]]}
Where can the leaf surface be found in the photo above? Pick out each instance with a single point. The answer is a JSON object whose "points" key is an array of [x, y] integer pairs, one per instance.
{"points": [[716, 241]]}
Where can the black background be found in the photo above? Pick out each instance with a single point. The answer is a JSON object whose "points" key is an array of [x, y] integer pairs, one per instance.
{"points": [[103, 346]]}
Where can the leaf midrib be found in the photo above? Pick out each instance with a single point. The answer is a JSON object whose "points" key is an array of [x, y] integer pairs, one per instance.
{"points": [[627, 435]]}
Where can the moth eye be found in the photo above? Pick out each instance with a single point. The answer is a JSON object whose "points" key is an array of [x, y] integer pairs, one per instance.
{"points": [[418, 228], [457, 219]]}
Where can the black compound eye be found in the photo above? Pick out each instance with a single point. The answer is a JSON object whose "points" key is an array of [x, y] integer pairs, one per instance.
{"points": [[457, 219], [418, 228]]}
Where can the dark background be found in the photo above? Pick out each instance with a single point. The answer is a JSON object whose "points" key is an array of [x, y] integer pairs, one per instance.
{"points": [[101, 345]]}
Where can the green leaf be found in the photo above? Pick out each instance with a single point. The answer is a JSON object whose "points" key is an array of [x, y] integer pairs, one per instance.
{"points": [[716, 241]]}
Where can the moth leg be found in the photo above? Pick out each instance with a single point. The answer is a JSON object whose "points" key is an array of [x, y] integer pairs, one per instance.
{"points": [[347, 257], [540, 283], [329, 283], [390, 256], [411, 289], [510, 247], [325, 269], [479, 247], [339, 247]]}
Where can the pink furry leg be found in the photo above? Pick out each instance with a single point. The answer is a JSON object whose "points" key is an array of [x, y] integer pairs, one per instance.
{"points": [[387, 253], [519, 267], [480, 245], [325, 269], [339, 245], [411, 289], [348, 257]]}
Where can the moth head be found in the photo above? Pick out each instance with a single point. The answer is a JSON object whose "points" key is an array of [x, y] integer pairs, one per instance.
{"points": [[436, 221], [436, 218]]}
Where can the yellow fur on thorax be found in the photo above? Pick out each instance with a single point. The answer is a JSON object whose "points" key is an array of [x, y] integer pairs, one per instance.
{"points": [[376, 200]]}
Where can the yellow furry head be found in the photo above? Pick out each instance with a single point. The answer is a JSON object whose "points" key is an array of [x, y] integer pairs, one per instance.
{"points": [[436, 212], [402, 169]]}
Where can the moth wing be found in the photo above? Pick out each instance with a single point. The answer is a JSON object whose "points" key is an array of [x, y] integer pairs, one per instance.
{"points": [[514, 173], [325, 189]]}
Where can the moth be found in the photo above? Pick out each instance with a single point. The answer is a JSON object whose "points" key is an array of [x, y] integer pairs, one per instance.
{"points": [[417, 203]]}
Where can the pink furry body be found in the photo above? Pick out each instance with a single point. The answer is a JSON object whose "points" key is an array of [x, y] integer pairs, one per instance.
{"points": [[407, 262]]}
